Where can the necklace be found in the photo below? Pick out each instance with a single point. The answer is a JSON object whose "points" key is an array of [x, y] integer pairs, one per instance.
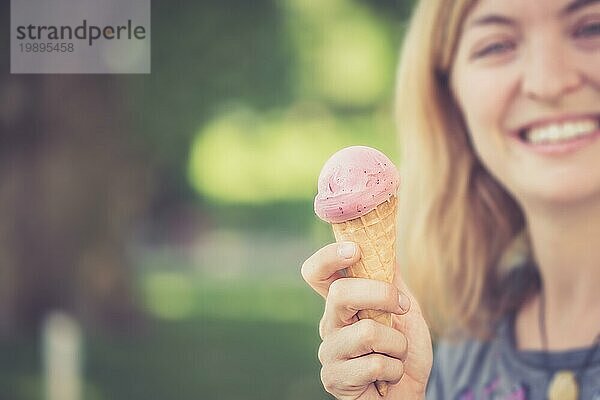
{"points": [[565, 383]]}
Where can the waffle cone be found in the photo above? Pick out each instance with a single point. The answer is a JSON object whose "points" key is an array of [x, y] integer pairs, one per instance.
{"points": [[375, 234]]}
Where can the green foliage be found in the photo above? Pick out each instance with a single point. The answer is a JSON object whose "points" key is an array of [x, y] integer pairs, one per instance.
{"points": [[344, 53], [268, 58], [204, 54], [240, 344], [246, 157], [210, 359], [176, 296]]}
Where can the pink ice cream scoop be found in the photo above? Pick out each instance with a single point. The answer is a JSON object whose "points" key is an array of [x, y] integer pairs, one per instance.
{"points": [[357, 196], [354, 181]]}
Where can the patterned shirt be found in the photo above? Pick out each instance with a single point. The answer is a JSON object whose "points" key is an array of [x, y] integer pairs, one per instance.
{"points": [[496, 370]]}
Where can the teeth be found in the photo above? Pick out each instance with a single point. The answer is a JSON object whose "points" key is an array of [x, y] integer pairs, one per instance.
{"points": [[558, 132]]}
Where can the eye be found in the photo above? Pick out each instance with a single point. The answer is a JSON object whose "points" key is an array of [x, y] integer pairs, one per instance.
{"points": [[588, 30], [494, 48]]}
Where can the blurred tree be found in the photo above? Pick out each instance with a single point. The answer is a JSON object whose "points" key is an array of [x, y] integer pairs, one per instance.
{"points": [[210, 55], [83, 157], [206, 54], [71, 188], [71, 185]]}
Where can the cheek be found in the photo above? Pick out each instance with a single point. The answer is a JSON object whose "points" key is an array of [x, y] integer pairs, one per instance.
{"points": [[591, 68], [488, 95], [483, 97]]}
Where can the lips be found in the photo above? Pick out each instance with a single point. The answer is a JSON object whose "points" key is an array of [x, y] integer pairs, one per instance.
{"points": [[559, 130], [558, 136]]}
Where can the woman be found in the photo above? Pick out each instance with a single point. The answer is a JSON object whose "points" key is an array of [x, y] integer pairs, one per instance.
{"points": [[499, 113]]}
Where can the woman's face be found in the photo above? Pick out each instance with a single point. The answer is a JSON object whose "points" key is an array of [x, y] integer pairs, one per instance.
{"points": [[527, 78]]}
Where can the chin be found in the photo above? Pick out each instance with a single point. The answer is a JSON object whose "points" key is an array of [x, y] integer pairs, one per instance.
{"points": [[560, 195]]}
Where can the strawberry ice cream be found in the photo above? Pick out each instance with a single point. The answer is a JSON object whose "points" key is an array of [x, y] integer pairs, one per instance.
{"points": [[354, 181]]}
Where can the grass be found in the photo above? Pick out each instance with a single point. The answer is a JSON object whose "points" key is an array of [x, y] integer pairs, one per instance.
{"points": [[210, 359], [235, 342]]}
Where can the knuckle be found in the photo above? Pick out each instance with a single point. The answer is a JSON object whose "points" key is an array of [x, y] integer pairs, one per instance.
{"points": [[328, 383], [391, 293], [404, 344], [398, 372], [321, 353], [307, 269], [312, 264], [376, 366], [322, 327], [367, 333], [337, 289]]}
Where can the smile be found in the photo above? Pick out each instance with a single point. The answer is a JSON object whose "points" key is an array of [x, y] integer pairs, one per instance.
{"points": [[560, 132]]}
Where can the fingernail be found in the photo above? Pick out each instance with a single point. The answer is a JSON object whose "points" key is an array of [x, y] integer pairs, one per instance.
{"points": [[404, 302], [347, 250]]}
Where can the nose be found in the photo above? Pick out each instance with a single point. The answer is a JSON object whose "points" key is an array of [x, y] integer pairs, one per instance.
{"points": [[549, 71]]}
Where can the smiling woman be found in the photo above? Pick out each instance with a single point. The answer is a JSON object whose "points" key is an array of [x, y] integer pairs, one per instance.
{"points": [[498, 104], [542, 66], [525, 79]]}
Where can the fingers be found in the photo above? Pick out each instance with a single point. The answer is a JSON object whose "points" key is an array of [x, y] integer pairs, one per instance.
{"points": [[364, 337], [361, 371], [327, 264], [360, 354], [349, 295]]}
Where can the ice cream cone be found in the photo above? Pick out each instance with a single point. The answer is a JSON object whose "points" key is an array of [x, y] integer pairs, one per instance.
{"points": [[375, 234], [357, 195]]}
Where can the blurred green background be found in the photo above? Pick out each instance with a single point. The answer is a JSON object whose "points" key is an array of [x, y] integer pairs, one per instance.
{"points": [[167, 215]]}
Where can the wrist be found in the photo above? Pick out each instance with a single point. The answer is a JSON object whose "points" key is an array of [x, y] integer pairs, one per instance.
{"points": [[410, 395]]}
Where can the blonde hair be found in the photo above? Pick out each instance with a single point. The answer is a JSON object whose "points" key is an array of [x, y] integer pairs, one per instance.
{"points": [[456, 221]]}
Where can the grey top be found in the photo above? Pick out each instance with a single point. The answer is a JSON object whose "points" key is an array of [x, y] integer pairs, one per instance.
{"points": [[496, 370]]}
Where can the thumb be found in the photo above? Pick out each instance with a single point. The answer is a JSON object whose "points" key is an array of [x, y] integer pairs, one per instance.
{"points": [[403, 287], [412, 323]]}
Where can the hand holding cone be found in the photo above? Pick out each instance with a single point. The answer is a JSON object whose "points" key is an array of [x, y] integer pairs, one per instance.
{"points": [[357, 196]]}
